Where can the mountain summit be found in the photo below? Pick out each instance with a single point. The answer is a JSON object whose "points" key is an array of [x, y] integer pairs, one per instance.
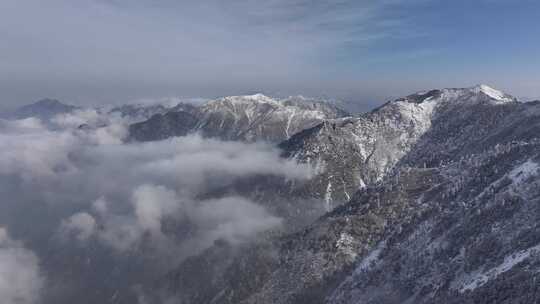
{"points": [[475, 94], [494, 93], [247, 118], [44, 109]]}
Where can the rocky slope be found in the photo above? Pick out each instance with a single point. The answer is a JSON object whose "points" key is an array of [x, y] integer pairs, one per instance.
{"points": [[475, 239], [447, 212], [247, 118], [353, 152], [179, 121]]}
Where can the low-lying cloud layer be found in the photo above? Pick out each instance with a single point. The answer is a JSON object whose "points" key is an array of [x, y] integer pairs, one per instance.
{"points": [[20, 278], [83, 187]]}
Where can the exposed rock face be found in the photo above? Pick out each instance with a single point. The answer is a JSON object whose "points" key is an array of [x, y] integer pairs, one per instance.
{"points": [[162, 126], [448, 211], [358, 151], [247, 118]]}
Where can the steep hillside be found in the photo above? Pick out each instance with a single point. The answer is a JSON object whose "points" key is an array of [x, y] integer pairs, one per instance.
{"points": [[448, 213], [247, 118], [424, 127]]}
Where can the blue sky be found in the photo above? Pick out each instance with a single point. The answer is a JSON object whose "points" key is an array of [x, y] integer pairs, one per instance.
{"points": [[95, 51]]}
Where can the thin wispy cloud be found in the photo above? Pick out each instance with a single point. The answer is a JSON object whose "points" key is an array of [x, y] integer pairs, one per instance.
{"points": [[118, 50], [203, 47]]}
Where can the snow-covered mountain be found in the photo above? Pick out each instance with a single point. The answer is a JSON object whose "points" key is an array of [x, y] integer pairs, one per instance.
{"points": [[444, 191], [248, 118], [353, 152], [348, 152], [429, 198]]}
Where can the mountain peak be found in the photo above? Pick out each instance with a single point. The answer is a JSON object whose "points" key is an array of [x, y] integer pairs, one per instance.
{"points": [[51, 104], [456, 94], [48, 102], [43, 109], [493, 93], [259, 97], [250, 97]]}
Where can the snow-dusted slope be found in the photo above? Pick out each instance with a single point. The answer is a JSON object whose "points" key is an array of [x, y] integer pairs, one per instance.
{"points": [[455, 220], [258, 117], [250, 118], [496, 95], [353, 152], [474, 238]]}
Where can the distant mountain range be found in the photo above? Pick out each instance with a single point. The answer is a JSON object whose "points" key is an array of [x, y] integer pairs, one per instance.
{"points": [[44, 109], [429, 198], [246, 118], [442, 192]]}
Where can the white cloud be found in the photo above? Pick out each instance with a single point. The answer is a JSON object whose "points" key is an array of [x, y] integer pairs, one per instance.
{"points": [[81, 224], [197, 49], [20, 279], [78, 117], [30, 151], [146, 201], [232, 218], [152, 204], [100, 205], [124, 193], [107, 128]]}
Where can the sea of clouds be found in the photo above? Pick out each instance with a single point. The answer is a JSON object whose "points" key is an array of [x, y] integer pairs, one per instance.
{"points": [[77, 198]]}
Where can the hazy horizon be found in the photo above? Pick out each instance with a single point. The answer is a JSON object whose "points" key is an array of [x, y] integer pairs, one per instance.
{"points": [[351, 106], [114, 51]]}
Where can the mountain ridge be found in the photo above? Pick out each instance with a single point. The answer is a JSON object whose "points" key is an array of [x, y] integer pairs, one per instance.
{"points": [[430, 198], [44, 109], [248, 118], [421, 229]]}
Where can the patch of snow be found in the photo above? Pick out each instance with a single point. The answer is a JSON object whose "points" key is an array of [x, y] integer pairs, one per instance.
{"points": [[479, 278], [361, 184], [370, 259], [493, 93], [347, 196], [518, 175], [346, 245], [289, 123], [328, 196], [421, 114], [524, 171], [258, 97]]}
